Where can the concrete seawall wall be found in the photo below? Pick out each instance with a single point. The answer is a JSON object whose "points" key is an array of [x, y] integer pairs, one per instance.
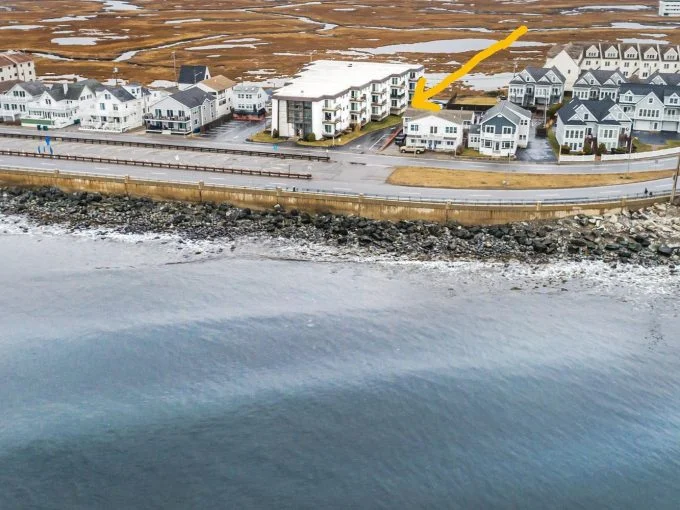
{"points": [[374, 208]]}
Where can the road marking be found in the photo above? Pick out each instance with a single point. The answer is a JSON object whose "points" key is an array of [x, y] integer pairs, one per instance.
{"points": [[47, 164], [415, 194], [342, 189], [377, 142], [100, 168], [158, 173], [481, 196]]}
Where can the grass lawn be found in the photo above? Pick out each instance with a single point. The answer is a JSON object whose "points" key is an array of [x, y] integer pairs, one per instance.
{"points": [[390, 121], [472, 153], [266, 137], [642, 147], [472, 179]]}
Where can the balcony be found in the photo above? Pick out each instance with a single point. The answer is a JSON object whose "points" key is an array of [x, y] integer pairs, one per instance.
{"points": [[165, 118], [331, 108], [361, 109], [331, 121], [358, 99], [380, 102], [398, 95]]}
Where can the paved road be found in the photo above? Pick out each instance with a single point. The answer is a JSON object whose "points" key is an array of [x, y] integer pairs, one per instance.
{"points": [[349, 180]]}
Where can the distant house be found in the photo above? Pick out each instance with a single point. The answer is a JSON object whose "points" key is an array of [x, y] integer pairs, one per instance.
{"points": [[250, 101], [221, 88], [16, 66], [592, 121], [437, 131], [60, 105], [597, 84], [185, 112], [190, 76], [503, 129], [537, 86], [669, 8], [15, 97], [113, 109], [664, 79]]}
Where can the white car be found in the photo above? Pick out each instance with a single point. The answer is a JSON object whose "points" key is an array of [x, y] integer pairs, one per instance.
{"points": [[411, 148]]}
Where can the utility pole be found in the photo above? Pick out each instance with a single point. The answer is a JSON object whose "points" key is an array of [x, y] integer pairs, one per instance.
{"points": [[675, 180], [630, 155]]}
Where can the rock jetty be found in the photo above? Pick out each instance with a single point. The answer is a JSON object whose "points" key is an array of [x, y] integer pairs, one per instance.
{"points": [[646, 237]]}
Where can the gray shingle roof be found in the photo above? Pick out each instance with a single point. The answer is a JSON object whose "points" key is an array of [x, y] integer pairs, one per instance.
{"points": [[668, 78], [192, 97], [120, 93], [601, 76], [599, 109], [537, 73], [191, 75], [457, 116], [509, 110]]}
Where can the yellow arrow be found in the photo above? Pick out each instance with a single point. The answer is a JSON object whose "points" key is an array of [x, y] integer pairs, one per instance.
{"points": [[421, 97]]}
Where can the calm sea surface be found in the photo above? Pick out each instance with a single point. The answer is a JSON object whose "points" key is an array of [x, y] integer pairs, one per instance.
{"points": [[133, 377]]}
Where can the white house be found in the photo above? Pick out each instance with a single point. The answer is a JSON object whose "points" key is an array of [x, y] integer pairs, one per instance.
{"points": [[185, 112], [502, 130], [592, 121], [59, 106], [250, 101], [436, 131], [330, 97], [537, 86], [664, 79], [631, 59], [113, 109], [221, 88], [594, 84], [669, 7], [15, 99], [16, 66], [651, 107], [190, 76]]}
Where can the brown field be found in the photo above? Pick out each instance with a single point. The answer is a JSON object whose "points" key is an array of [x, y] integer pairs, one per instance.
{"points": [[472, 179], [276, 29]]}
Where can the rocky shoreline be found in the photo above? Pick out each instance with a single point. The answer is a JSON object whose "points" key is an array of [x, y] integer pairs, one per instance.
{"points": [[648, 237]]}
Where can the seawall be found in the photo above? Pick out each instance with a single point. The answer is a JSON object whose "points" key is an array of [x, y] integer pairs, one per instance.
{"points": [[259, 199]]}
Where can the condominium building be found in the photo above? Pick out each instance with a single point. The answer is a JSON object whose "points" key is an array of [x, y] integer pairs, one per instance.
{"points": [[502, 130], [593, 122], [182, 113], [669, 7], [113, 109], [537, 86], [331, 97], [15, 97], [651, 107], [60, 106], [631, 59], [594, 84]]}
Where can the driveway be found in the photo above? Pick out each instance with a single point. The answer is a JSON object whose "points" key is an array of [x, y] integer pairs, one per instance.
{"points": [[539, 149], [658, 138], [370, 142]]}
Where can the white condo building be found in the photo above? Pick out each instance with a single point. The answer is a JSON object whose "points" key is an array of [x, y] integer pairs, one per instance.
{"points": [[330, 97], [669, 7]]}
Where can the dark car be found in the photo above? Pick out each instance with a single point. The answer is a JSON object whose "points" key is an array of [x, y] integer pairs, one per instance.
{"points": [[400, 139]]}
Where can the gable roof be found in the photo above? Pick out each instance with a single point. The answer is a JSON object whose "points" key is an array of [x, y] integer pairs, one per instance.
{"points": [[456, 116], [509, 110], [599, 109], [219, 82], [644, 89], [191, 75], [120, 93], [35, 88], [192, 97], [600, 76], [72, 91], [538, 74], [668, 78], [7, 85], [14, 58]]}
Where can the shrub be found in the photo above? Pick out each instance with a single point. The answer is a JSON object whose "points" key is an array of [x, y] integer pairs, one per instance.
{"points": [[565, 149], [459, 150], [553, 109], [587, 149], [601, 149], [311, 137], [275, 133]]}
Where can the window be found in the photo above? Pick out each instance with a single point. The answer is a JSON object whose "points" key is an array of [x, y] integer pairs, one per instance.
{"points": [[327, 128], [489, 129], [487, 143], [650, 100], [102, 106], [507, 130], [414, 127], [433, 130], [450, 130], [508, 145]]}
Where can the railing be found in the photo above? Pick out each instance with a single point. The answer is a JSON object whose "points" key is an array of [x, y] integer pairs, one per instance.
{"points": [[155, 164], [168, 146], [151, 118], [358, 99], [332, 108]]}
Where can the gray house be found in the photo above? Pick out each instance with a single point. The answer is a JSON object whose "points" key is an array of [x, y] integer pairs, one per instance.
{"points": [[537, 86], [598, 84], [503, 129]]}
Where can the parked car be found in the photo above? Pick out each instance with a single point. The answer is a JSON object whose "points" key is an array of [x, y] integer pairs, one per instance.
{"points": [[400, 139], [417, 150]]}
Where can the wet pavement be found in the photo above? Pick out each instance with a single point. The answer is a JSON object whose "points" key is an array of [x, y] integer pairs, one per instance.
{"points": [[657, 138], [539, 149], [233, 131], [371, 142]]}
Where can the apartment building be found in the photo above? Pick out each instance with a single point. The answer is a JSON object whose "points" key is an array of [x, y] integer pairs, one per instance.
{"points": [[594, 84], [59, 106], [502, 130], [16, 66], [651, 107], [669, 7], [537, 86], [15, 97], [182, 113], [330, 97], [442, 131], [112, 109], [594, 122], [630, 59]]}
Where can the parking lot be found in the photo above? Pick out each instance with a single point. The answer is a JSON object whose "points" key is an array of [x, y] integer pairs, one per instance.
{"points": [[233, 131], [371, 142]]}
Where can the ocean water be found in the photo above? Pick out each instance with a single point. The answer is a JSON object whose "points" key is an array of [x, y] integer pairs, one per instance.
{"points": [[140, 374]]}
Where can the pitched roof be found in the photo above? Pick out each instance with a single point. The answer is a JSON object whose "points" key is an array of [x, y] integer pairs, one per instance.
{"points": [[13, 58], [599, 108], [668, 78], [508, 110], [643, 89], [457, 116], [192, 74], [574, 50], [73, 91], [601, 76], [246, 87], [537, 74], [6, 85], [192, 97], [120, 93], [35, 88], [219, 82]]}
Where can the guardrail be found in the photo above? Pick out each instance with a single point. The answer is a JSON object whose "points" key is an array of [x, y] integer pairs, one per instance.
{"points": [[663, 194], [167, 146], [154, 164]]}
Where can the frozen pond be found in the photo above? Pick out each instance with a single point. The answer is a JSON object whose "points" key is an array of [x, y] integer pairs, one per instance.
{"points": [[117, 5], [21, 27], [605, 8], [68, 18], [75, 41], [126, 56], [442, 46], [477, 81], [180, 21]]}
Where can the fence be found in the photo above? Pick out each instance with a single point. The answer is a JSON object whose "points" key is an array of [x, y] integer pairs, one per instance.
{"points": [[154, 164], [169, 146], [567, 158], [641, 155]]}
